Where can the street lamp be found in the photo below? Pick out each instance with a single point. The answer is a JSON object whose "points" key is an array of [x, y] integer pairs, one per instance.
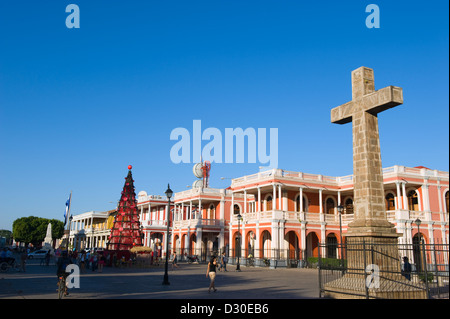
{"points": [[418, 222], [340, 209], [169, 194], [419, 263], [238, 266]]}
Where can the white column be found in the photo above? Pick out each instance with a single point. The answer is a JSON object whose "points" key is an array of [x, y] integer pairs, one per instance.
{"points": [[200, 211], [274, 201], [259, 199], [279, 197], [440, 201], [149, 211], [199, 241], [232, 208], [426, 198], [245, 201], [190, 210], [259, 204], [320, 202], [303, 239], [397, 198], [275, 241], [222, 223], [257, 252], [187, 240], [323, 239], [405, 198], [301, 200]]}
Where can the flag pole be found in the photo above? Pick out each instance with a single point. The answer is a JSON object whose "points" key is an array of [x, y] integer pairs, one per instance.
{"points": [[68, 224]]}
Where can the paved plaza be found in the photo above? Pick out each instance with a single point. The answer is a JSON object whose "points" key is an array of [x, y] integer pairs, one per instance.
{"points": [[186, 282]]}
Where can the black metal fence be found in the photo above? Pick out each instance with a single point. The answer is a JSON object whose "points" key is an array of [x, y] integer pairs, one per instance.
{"points": [[374, 270], [274, 258]]}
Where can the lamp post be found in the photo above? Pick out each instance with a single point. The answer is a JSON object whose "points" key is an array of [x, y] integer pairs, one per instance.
{"points": [[238, 266], [419, 263], [169, 194], [340, 209]]}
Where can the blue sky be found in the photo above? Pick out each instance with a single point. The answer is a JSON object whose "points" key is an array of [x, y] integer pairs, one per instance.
{"points": [[77, 106]]}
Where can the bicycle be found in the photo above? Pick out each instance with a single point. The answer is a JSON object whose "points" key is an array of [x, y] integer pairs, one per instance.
{"points": [[7, 264], [62, 287]]}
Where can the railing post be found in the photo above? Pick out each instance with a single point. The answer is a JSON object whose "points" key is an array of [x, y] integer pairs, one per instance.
{"points": [[364, 270], [320, 271], [424, 258], [436, 270]]}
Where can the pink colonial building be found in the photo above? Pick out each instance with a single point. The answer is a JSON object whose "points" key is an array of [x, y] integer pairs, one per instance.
{"points": [[281, 216], [289, 213], [153, 219]]}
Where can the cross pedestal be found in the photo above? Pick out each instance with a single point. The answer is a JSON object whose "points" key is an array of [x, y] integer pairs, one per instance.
{"points": [[370, 231]]}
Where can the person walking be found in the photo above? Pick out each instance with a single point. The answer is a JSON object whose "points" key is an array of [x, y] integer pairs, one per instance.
{"points": [[83, 261], [93, 261], [174, 260], [47, 258], [211, 272], [224, 260], [406, 272], [101, 262], [23, 260]]}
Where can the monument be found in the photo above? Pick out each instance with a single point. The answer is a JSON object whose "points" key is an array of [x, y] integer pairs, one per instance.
{"points": [[48, 240], [370, 228]]}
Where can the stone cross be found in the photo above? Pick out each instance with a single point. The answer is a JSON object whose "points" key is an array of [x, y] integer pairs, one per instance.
{"points": [[369, 203]]}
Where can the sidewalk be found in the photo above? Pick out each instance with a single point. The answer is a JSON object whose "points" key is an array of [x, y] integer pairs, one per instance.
{"points": [[189, 281]]}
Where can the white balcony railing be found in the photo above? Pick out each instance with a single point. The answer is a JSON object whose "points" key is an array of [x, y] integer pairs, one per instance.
{"points": [[332, 219], [342, 180], [197, 223]]}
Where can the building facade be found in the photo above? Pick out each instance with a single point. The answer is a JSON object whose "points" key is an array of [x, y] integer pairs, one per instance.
{"points": [[283, 215], [277, 215], [90, 230], [153, 218], [291, 212]]}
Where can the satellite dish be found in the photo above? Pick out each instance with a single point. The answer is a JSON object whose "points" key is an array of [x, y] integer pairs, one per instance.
{"points": [[197, 184], [198, 171]]}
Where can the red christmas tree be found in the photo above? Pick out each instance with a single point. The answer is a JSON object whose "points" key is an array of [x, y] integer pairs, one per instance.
{"points": [[126, 232]]}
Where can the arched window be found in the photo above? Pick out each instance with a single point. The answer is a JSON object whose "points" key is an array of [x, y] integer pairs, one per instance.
{"points": [[297, 202], [212, 212], [269, 203], [349, 206], [413, 200], [390, 201], [447, 201], [330, 206], [236, 209]]}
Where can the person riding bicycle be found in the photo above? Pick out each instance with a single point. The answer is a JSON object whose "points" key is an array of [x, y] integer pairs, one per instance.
{"points": [[6, 256], [62, 264]]}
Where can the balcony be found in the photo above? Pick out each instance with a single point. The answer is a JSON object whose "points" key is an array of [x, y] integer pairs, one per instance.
{"points": [[331, 180], [197, 223], [330, 219], [154, 223]]}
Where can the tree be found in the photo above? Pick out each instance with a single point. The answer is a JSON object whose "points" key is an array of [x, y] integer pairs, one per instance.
{"points": [[126, 232], [33, 229]]}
